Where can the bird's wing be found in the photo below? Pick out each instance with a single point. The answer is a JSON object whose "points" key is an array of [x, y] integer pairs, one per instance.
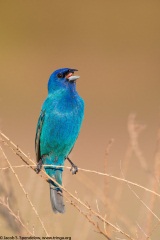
{"points": [[38, 134]]}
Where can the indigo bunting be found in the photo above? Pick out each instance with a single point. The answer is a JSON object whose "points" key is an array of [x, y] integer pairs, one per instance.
{"points": [[57, 130]]}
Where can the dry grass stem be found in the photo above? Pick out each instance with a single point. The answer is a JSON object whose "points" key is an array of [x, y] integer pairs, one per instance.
{"points": [[96, 172], [106, 161], [154, 185], [134, 129], [88, 217], [26, 194], [150, 210], [93, 171], [16, 217], [27, 160], [145, 234]]}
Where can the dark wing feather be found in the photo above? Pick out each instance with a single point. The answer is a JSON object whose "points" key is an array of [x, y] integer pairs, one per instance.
{"points": [[38, 134]]}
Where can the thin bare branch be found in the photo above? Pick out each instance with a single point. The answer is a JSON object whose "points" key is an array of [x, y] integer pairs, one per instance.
{"points": [[42, 174], [16, 217], [150, 210], [26, 194], [93, 171]]}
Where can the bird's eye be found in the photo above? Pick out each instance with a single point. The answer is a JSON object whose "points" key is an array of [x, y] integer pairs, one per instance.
{"points": [[59, 75]]}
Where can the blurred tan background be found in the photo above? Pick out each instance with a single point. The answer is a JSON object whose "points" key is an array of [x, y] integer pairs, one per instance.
{"points": [[115, 45]]}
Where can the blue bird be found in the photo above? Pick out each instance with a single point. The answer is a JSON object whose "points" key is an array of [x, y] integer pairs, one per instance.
{"points": [[58, 127]]}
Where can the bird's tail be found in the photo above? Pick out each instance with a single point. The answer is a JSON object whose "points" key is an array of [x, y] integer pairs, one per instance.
{"points": [[56, 194]]}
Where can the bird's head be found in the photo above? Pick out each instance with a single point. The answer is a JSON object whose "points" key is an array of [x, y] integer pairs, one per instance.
{"points": [[62, 78]]}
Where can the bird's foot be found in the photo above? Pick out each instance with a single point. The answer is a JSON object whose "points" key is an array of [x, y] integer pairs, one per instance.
{"points": [[39, 166], [74, 168]]}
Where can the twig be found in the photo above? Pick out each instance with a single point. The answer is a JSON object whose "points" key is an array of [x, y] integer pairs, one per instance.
{"points": [[17, 217], [155, 185], [134, 130], [89, 218], [18, 152], [142, 200], [26, 194], [96, 172], [140, 228], [108, 203]]}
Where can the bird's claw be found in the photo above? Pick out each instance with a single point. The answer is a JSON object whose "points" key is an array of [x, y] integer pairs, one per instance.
{"points": [[74, 169], [39, 166]]}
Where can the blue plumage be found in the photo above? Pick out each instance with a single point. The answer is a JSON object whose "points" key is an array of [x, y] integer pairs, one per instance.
{"points": [[58, 127]]}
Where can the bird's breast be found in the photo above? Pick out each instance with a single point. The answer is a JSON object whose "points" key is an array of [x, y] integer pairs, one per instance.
{"points": [[62, 124]]}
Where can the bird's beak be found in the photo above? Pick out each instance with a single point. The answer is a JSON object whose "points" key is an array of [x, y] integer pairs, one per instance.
{"points": [[73, 78], [70, 77]]}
